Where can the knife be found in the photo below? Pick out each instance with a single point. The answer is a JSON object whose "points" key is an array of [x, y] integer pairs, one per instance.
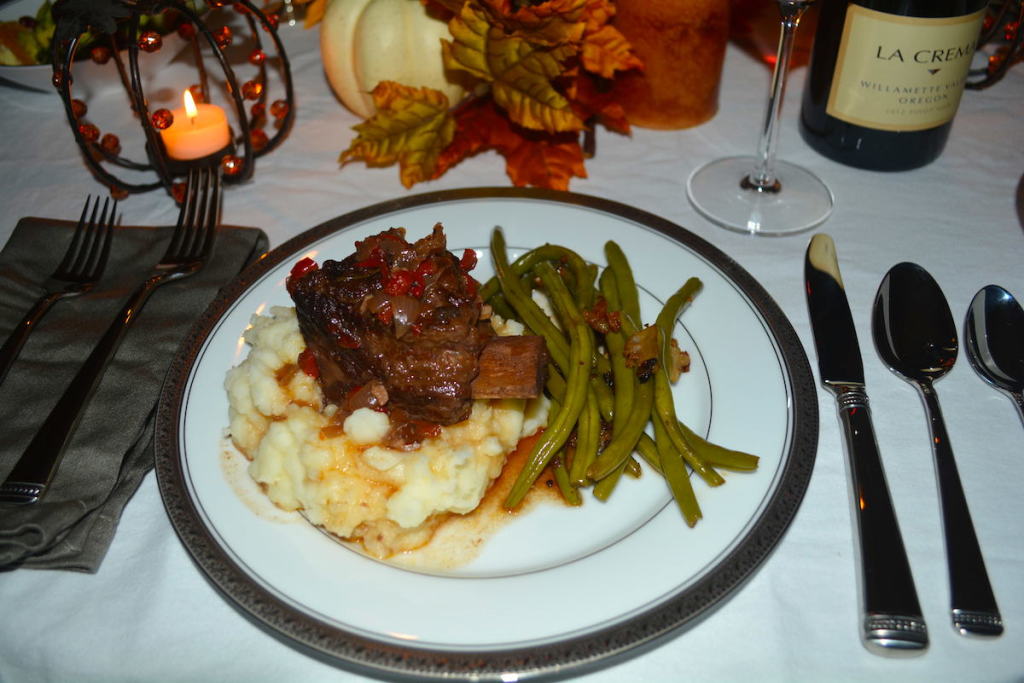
{"points": [[891, 614]]}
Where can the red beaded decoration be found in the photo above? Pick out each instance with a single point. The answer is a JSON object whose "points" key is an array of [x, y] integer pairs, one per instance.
{"points": [[257, 57], [111, 143], [240, 8], [187, 31], [89, 132], [178, 192], [258, 138], [78, 108], [258, 110], [272, 20], [162, 119], [251, 90], [100, 54], [215, 3], [58, 78], [223, 36], [197, 93], [279, 109], [118, 193], [231, 165], [150, 41]]}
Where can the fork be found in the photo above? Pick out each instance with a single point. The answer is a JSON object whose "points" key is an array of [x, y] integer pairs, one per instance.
{"points": [[81, 268], [188, 250]]}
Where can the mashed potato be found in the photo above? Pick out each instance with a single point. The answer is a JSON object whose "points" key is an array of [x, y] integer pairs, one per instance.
{"points": [[340, 475]]}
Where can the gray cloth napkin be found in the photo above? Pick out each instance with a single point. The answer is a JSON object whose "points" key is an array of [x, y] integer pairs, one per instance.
{"points": [[72, 526]]}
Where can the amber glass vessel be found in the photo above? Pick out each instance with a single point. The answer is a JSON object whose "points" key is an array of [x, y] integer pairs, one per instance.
{"points": [[682, 44]]}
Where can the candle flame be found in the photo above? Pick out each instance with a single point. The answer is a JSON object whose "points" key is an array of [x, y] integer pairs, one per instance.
{"points": [[190, 104]]}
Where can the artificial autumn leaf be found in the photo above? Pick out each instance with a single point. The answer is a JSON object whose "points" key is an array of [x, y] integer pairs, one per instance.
{"points": [[519, 72], [594, 100], [531, 157], [411, 126], [545, 161], [479, 126], [607, 51], [596, 14], [549, 23]]}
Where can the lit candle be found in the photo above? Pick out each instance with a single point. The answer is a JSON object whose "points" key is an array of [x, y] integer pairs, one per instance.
{"points": [[198, 130]]}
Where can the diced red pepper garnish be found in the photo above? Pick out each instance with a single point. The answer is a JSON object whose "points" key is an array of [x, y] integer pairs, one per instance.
{"points": [[375, 260], [302, 267], [468, 260], [307, 363], [386, 316], [471, 285], [399, 283], [426, 267]]}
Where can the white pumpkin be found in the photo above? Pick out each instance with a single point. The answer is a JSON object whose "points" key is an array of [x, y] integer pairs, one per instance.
{"points": [[364, 42]]}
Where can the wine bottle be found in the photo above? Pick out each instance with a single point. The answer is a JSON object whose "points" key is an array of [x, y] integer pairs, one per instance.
{"points": [[885, 79]]}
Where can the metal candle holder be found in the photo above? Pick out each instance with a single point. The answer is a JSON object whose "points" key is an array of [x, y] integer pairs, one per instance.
{"points": [[103, 18], [1002, 38]]}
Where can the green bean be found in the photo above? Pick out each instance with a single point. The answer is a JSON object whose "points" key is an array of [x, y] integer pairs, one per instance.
{"points": [[664, 405], [530, 313], [676, 475], [717, 455], [603, 488], [588, 438], [622, 444], [570, 493], [566, 308], [527, 262], [624, 379], [629, 297], [555, 436], [500, 306], [648, 450], [665, 410], [556, 383], [633, 468]]}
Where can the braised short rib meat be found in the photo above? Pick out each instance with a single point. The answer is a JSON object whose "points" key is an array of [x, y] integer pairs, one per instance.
{"points": [[394, 324]]}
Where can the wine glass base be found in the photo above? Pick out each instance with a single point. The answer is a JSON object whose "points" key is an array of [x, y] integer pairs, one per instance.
{"points": [[717, 191]]}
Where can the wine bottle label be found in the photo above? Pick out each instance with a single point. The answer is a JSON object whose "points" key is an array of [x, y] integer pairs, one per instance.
{"points": [[901, 73]]}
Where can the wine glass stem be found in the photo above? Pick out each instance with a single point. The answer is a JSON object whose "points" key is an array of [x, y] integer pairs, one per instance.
{"points": [[762, 178]]}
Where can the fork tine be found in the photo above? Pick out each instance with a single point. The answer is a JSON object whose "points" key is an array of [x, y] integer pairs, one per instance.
{"points": [[212, 216], [202, 198], [72, 253], [101, 246], [96, 243], [186, 217]]}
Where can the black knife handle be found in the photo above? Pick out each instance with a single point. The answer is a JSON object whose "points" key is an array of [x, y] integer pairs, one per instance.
{"points": [[892, 614]]}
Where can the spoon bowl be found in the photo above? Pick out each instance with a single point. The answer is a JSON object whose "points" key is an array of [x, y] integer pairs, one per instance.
{"points": [[913, 327], [916, 337], [994, 340]]}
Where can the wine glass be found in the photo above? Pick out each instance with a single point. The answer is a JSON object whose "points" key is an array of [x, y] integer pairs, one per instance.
{"points": [[759, 194]]}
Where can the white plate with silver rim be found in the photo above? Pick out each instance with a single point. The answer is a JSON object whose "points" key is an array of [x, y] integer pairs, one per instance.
{"points": [[750, 389]]}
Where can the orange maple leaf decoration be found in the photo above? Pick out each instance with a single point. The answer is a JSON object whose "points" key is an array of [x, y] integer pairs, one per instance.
{"points": [[531, 157], [543, 71]]}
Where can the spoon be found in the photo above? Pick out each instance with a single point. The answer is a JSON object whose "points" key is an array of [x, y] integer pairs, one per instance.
{"points": [[994, 329], [916, 337]]}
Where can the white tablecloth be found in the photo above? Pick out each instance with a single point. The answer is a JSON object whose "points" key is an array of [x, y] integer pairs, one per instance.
{"points": [[149, 614]]}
